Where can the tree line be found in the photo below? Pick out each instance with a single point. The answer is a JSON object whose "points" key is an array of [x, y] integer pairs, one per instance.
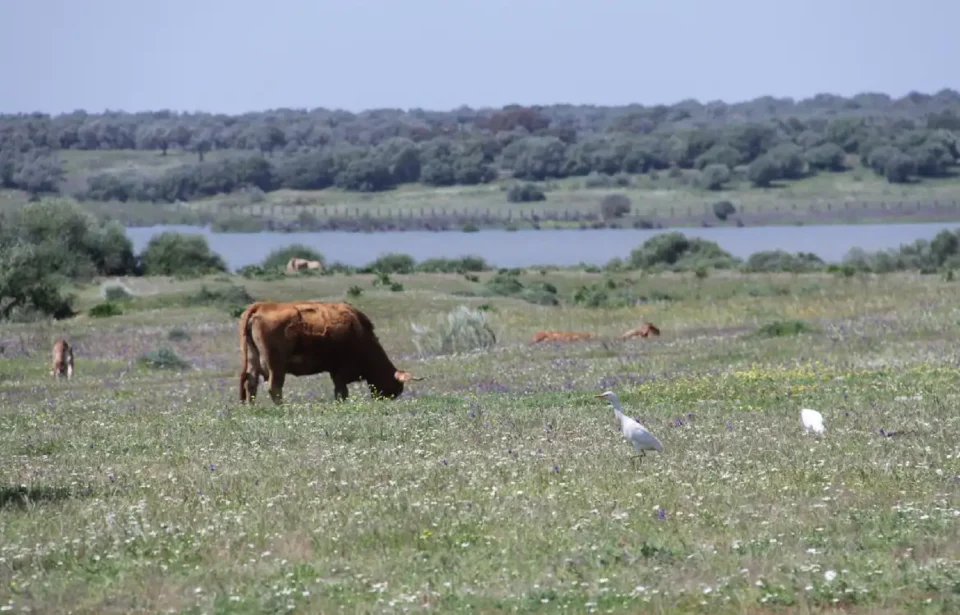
{"points": [[767, 139], [51, 244]]}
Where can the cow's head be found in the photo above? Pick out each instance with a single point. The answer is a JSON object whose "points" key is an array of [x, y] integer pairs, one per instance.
{"points": [[392, 386]]}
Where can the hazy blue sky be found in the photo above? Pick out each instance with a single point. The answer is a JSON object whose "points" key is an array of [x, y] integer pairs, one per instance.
{"points": [[242, 55]]}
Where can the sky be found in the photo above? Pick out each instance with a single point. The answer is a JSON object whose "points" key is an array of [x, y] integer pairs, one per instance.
{"points": [[233, 56]]}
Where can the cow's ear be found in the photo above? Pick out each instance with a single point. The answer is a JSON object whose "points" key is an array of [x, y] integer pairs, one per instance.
{"points": [[403, 376]]}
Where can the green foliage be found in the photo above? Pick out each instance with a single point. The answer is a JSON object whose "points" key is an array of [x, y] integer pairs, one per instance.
{"points": [[714, 176], [826, 157], [614, 206], [784, 328], [613, 293], [781, 260], [105, 309], [675, 250], [460, 330], [393, 262], [525, 193], [278, 259], [177, 334], [178, 254], [354, 291], [763, 171], [258, 272], [229, 298], [723, 209], [29, 285], [163, 358], [116, 293], [453, 265]]}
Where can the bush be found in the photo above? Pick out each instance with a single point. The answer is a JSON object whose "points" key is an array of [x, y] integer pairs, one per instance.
{"points": [[230, 298], [172, 253], [525, 193], [117, 292], [722, 209], [178, 335], [714, 176], [460, 330], [675, 250], [614, 206], [71, 242], [163, 358], [763, 171], [105, 309], [278, 259], [453, 265], [27, 285], [781, 260], [784, 328], [392, 262], [826, 157]]}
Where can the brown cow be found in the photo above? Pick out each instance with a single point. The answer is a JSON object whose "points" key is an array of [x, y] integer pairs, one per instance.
{"points": [[559, 336], [62, 360], [296, 264], [647, 330], [301, 338]]}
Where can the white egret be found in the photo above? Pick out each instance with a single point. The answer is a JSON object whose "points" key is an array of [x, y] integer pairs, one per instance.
{"points": [[811, 420], [635, 433]]}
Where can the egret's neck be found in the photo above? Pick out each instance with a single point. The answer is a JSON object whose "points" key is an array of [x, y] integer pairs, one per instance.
{"points": [[617, 409]]}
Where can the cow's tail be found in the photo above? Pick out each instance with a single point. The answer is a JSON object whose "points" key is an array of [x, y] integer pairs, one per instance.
{"points": [[246, 339]]}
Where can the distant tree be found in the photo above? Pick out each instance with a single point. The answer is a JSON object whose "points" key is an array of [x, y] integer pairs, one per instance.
{"points": [[714, 176], [899, 168], [614, 206], [723, 209], [525, 193], [172, 253], [763, 171], [825, 157]]}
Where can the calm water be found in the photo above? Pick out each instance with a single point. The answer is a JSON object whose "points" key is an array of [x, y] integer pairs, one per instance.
{"points": [[556, 247]]}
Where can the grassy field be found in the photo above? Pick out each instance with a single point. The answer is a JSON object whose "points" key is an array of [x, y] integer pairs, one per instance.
{"points": [[857, 195], [498, 484]]}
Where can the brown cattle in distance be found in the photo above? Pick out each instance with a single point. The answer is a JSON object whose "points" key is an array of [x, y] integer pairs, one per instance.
{"points": [[647, 330], [62, 360], [559, 336], [296, 264], [302, 338]]}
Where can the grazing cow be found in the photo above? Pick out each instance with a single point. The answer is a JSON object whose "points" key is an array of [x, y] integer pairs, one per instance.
{"points": [[647, 330], [301, 338], [559, 336], [62, 360], [296, 264]]}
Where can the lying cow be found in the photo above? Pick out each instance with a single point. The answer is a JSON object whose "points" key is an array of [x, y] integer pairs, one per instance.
{"points": [[296, 264], [647, 330], [62, 360], [559, 336], [302, 338]]}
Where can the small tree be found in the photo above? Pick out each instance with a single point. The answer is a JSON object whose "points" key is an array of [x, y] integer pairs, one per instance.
{"points": [[714, 176], [722, 209], [525, 193], [899, 168], [614, 206], [826, 157], [763, 171], [172, 253]]}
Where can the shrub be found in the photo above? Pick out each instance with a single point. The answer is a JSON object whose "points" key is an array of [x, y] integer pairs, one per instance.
{"points": [[784, 328], [117, 292], [525, 193], [393, 262], [278, 259], [229, 298], [614, 206], [354, 291], [826, 157], [763, 171], [172, 253], [27, 286], [722, 209], [781, 260], [105, 309], [460, 330], [163, 358], [714, 176], [178, 335], [675, 250], [453, 265]]}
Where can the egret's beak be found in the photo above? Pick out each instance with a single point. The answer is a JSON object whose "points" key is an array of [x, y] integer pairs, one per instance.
{"points": [[598, 395]]}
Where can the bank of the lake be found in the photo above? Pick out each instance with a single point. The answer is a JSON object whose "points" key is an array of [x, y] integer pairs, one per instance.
{"points": [[558, 247]]}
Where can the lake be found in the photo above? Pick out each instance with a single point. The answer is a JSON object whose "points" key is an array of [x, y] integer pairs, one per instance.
{"points": [[524, 248]]}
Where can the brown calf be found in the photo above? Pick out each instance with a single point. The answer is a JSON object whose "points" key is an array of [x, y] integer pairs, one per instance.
{"points": [[62, 360], [647, 330], [559, 336]]}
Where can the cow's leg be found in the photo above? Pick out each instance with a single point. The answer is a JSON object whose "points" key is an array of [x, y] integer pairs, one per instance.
{"points": [[249, 381], [276, 386], [69, 370], [340, 390]]}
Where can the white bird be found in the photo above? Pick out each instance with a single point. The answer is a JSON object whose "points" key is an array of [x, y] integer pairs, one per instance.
{"points": [[635, 433], [811, 420]]}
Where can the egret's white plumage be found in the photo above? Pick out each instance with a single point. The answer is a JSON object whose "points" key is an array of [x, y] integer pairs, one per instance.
{"points": [[635, 433], [811, 420]]}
